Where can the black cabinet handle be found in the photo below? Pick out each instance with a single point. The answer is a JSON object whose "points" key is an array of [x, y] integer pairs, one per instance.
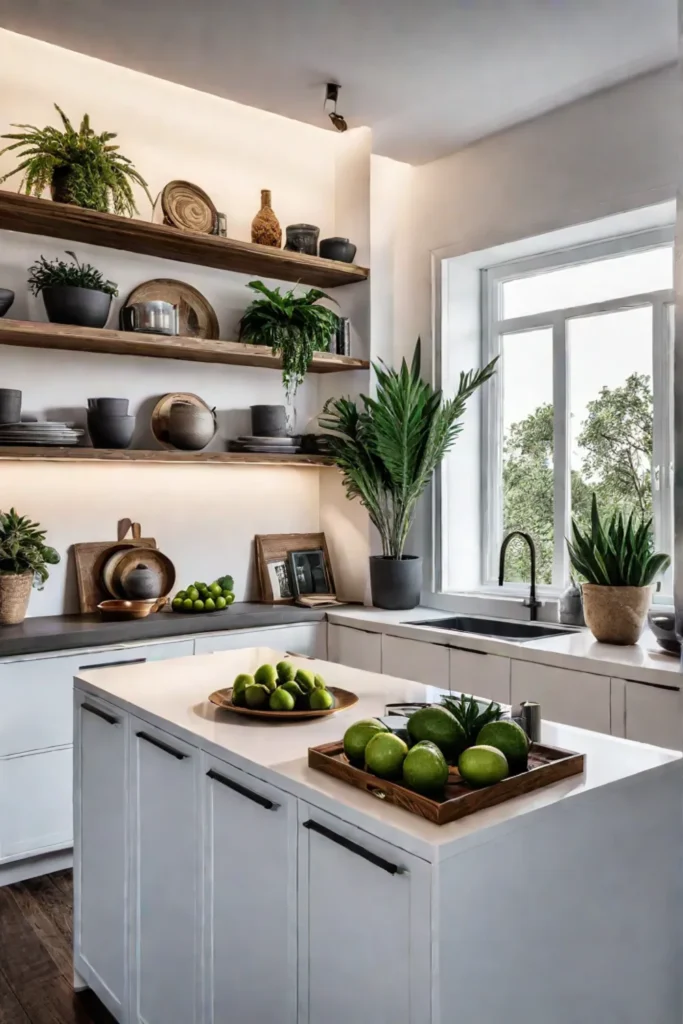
{"points": [[113, 664], [100, 714], [162, 746], [262, 801], [379, 862]]}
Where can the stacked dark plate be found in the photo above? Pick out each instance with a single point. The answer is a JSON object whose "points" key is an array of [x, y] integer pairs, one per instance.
{"points": [[266, 445], [39, 435]]}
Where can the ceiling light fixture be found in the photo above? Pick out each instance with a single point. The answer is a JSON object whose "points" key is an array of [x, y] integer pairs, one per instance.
{"points": [[331, 97]]}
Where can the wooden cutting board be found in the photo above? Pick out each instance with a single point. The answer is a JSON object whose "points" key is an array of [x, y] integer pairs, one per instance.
{"points": [[90, 558]]}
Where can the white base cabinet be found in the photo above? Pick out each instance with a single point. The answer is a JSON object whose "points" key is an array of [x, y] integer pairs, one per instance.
{"points": [[308, 639], [652, 714], [484, 675], [357, 648], [413, 659], [571, 698]]}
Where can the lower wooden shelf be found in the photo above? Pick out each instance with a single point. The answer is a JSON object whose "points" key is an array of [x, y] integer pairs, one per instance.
{"points": [[17, 454]]}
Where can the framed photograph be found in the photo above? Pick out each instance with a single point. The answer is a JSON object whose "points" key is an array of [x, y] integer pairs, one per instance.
{"points": [[308, 572], [282, 580]]}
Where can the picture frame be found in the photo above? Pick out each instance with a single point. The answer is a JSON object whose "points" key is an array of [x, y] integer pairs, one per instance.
{"points": [[273, 550], [308, 573]]}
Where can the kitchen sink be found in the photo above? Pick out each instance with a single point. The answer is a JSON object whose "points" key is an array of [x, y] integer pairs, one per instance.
{"points": [[504, 629]]}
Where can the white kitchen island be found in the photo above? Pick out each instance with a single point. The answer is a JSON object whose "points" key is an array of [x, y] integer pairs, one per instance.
{"points": [[219, 880]]}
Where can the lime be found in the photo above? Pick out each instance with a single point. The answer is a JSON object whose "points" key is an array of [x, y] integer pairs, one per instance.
{"points": [[256, 696], [293, 688], [177, 604], [192, 593], [281, 700], [239, 699], [187, 604], [441, 727], [319, 683], [182, 594], [241, 682], [198, 606], [385, 754], [425, 769], [220, 602], [215, 589], [510, 739], [285, 671], [358, 735], [320, 699], [209, 605], [199, 586], [306, 679], [229, 596], [482, 766], [266, 676]]}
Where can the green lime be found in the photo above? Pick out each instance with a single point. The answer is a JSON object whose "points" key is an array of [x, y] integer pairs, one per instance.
{"points": [[198, 606], [187, 604], [215, 589], [241, 682], [482, 766], [256, 696], [281, 700], [319, 683], [306, 679], [358, 735], [239, 699], [229, 596], [441, 727], [199, 586], [209, 605], [182, 594], [220, 602], [385, 754], [293, 688], [285, 671], [510, 739], [192, 593], [425, 769], [320, 699], [266, 676], [177, 604]]}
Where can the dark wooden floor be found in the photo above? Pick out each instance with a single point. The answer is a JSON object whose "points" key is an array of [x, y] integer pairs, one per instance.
{"points": [[36, 973]]}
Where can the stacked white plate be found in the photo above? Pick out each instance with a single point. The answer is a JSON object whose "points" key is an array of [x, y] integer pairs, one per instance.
{"points": [[40, 435], [268, 445]]}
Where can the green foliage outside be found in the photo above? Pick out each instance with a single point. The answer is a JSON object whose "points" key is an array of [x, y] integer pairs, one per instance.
{"points": [[615, 447]]}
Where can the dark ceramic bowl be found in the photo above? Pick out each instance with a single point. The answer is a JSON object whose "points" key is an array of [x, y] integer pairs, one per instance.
{"points": [[81, 307], [6, 300], [110, 431], [663, 625], [339, 249], [109, 406]]}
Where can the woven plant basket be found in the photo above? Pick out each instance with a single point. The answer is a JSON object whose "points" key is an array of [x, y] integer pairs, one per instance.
{"points": [[15, 592]]}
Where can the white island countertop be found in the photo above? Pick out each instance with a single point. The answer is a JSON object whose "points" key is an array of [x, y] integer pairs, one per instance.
{"points": [[173, 696]]}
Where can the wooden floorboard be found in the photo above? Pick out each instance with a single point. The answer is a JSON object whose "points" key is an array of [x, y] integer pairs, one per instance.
{"points": [[36, 972]]}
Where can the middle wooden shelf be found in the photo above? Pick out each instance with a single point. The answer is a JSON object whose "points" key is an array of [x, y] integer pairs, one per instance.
{"points": [[29, 334]]}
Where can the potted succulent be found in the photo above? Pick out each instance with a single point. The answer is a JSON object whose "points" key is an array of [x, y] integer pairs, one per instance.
{"points": [[73, 293], [619, 565], [293, 325], [24, 558], [387, 451], [78, 166]]}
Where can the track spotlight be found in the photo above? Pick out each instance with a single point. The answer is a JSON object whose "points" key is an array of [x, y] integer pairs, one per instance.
{"points": [[331, 97]]}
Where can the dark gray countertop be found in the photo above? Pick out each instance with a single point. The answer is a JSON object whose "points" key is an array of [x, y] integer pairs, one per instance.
{"points": [[42, 634]]}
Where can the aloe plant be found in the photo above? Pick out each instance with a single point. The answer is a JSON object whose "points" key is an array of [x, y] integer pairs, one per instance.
{"points": [[615, 552], [467, 711]]}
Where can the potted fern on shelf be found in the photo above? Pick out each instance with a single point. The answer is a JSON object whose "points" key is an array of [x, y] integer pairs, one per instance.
{"points": [[24, 558], [387, 450], [617, 561]]}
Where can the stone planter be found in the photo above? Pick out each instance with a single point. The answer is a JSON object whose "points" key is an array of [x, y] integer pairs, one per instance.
{"points": [[616, 615], [396, 582], [15, 592], [82, 307]]}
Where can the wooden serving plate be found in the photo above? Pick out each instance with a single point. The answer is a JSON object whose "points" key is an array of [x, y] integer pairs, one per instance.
{"points": [[343, 699], [546, 766]]}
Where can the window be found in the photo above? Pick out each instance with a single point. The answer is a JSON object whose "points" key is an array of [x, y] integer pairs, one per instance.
{"points": [[582, 401]]}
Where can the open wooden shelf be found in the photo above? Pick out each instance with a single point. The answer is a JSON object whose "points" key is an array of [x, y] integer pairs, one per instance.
{"points": [[30, 454], [27, 334], [58, 220]]}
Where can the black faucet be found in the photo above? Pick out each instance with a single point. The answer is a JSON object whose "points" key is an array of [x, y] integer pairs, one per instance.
{"points": [[531, 603]]}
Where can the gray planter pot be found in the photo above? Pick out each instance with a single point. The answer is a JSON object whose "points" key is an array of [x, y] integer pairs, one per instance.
{"points": [[396, 582], [82, 307]]}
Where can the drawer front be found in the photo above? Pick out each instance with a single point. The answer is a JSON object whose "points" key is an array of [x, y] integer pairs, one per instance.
{"points": [[484, 675], [653, 715], [307, 639], [35, 803], [357, 648], [414, 659], [572, 698]]}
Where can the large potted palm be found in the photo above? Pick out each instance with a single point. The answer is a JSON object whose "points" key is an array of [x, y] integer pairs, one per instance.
{"points": [[24, 558], [387, 451]]}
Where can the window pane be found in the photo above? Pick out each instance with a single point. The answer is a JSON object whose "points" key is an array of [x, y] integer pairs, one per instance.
{"points": [[528, 449], [613, 278], [610, 360]]}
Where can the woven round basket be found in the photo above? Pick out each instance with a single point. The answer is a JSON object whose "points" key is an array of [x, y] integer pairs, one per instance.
{"points": [[186, 206], [14, 594]]}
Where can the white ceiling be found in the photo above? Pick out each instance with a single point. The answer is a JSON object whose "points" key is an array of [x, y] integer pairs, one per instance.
{"points": [[428, 76]]}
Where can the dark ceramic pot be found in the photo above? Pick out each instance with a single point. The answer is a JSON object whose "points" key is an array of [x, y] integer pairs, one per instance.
{"points": [[268, 421], [82, 307], [303, 238], [396, 583], [10, 405], [110, 431], [662, 622], [6, 300], [142, 583], [339, 249]]}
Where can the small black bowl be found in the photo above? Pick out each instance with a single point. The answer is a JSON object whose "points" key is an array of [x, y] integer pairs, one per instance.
{"points": [[6, 300], [663, 626], [339, 249]]}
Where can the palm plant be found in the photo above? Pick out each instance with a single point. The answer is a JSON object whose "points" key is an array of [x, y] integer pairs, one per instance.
{"points": [[616, 553], [82, 167], [389, 448], [23, 548], [293, 325]]}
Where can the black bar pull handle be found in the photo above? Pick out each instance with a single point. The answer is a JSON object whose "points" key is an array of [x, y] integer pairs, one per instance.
{"points": [[262, 801], [379, 862], [113, 664], [100, 714], [162, 746]]}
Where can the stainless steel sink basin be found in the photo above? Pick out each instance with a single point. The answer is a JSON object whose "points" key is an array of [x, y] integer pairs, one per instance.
{"points": [[503, 629]]}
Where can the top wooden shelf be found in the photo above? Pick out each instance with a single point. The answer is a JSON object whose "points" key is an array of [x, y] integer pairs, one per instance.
{"points": [[58, 220]]}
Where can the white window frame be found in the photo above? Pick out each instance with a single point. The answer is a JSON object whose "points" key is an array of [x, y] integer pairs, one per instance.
{"points": [[494, 326]]}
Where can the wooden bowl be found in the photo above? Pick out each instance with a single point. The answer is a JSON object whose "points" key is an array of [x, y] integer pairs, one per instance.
{"points": [[117, 611], [343, 699]]}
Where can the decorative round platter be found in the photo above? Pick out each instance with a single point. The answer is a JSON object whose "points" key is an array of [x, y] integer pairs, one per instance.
{"points": [[343, 699]]}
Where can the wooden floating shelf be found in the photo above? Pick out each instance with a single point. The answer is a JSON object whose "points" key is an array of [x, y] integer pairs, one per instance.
{"points": [[27, 334], [59, 220], [30, 454]]}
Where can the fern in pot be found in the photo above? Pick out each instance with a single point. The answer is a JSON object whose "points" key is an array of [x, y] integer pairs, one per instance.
{"points": [[73, 293], [24, 561], [387, 449], [617, 560]]}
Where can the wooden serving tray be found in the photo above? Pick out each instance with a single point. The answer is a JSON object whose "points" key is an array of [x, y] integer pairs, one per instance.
{"points": [[546, 766], [343, 699]]}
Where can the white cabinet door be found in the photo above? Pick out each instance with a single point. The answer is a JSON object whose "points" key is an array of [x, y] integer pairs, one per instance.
{"points": [[572, 698], [654, 715], [484, 675], [364, 940], [35, 803], [357, 648], [308, 639], [100, 876], [166, 885], [250, 895], [412, 659]]}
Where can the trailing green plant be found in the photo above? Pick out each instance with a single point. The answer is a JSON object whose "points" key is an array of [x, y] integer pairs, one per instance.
{"points": [[616, 552], [23, 548], [57, 273], [389, 448], [88, 169], [293, 325], [472, 719]]}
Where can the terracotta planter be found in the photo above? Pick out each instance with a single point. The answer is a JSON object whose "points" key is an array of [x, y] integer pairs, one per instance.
{"points": [[14, 594], [616, 615]]}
